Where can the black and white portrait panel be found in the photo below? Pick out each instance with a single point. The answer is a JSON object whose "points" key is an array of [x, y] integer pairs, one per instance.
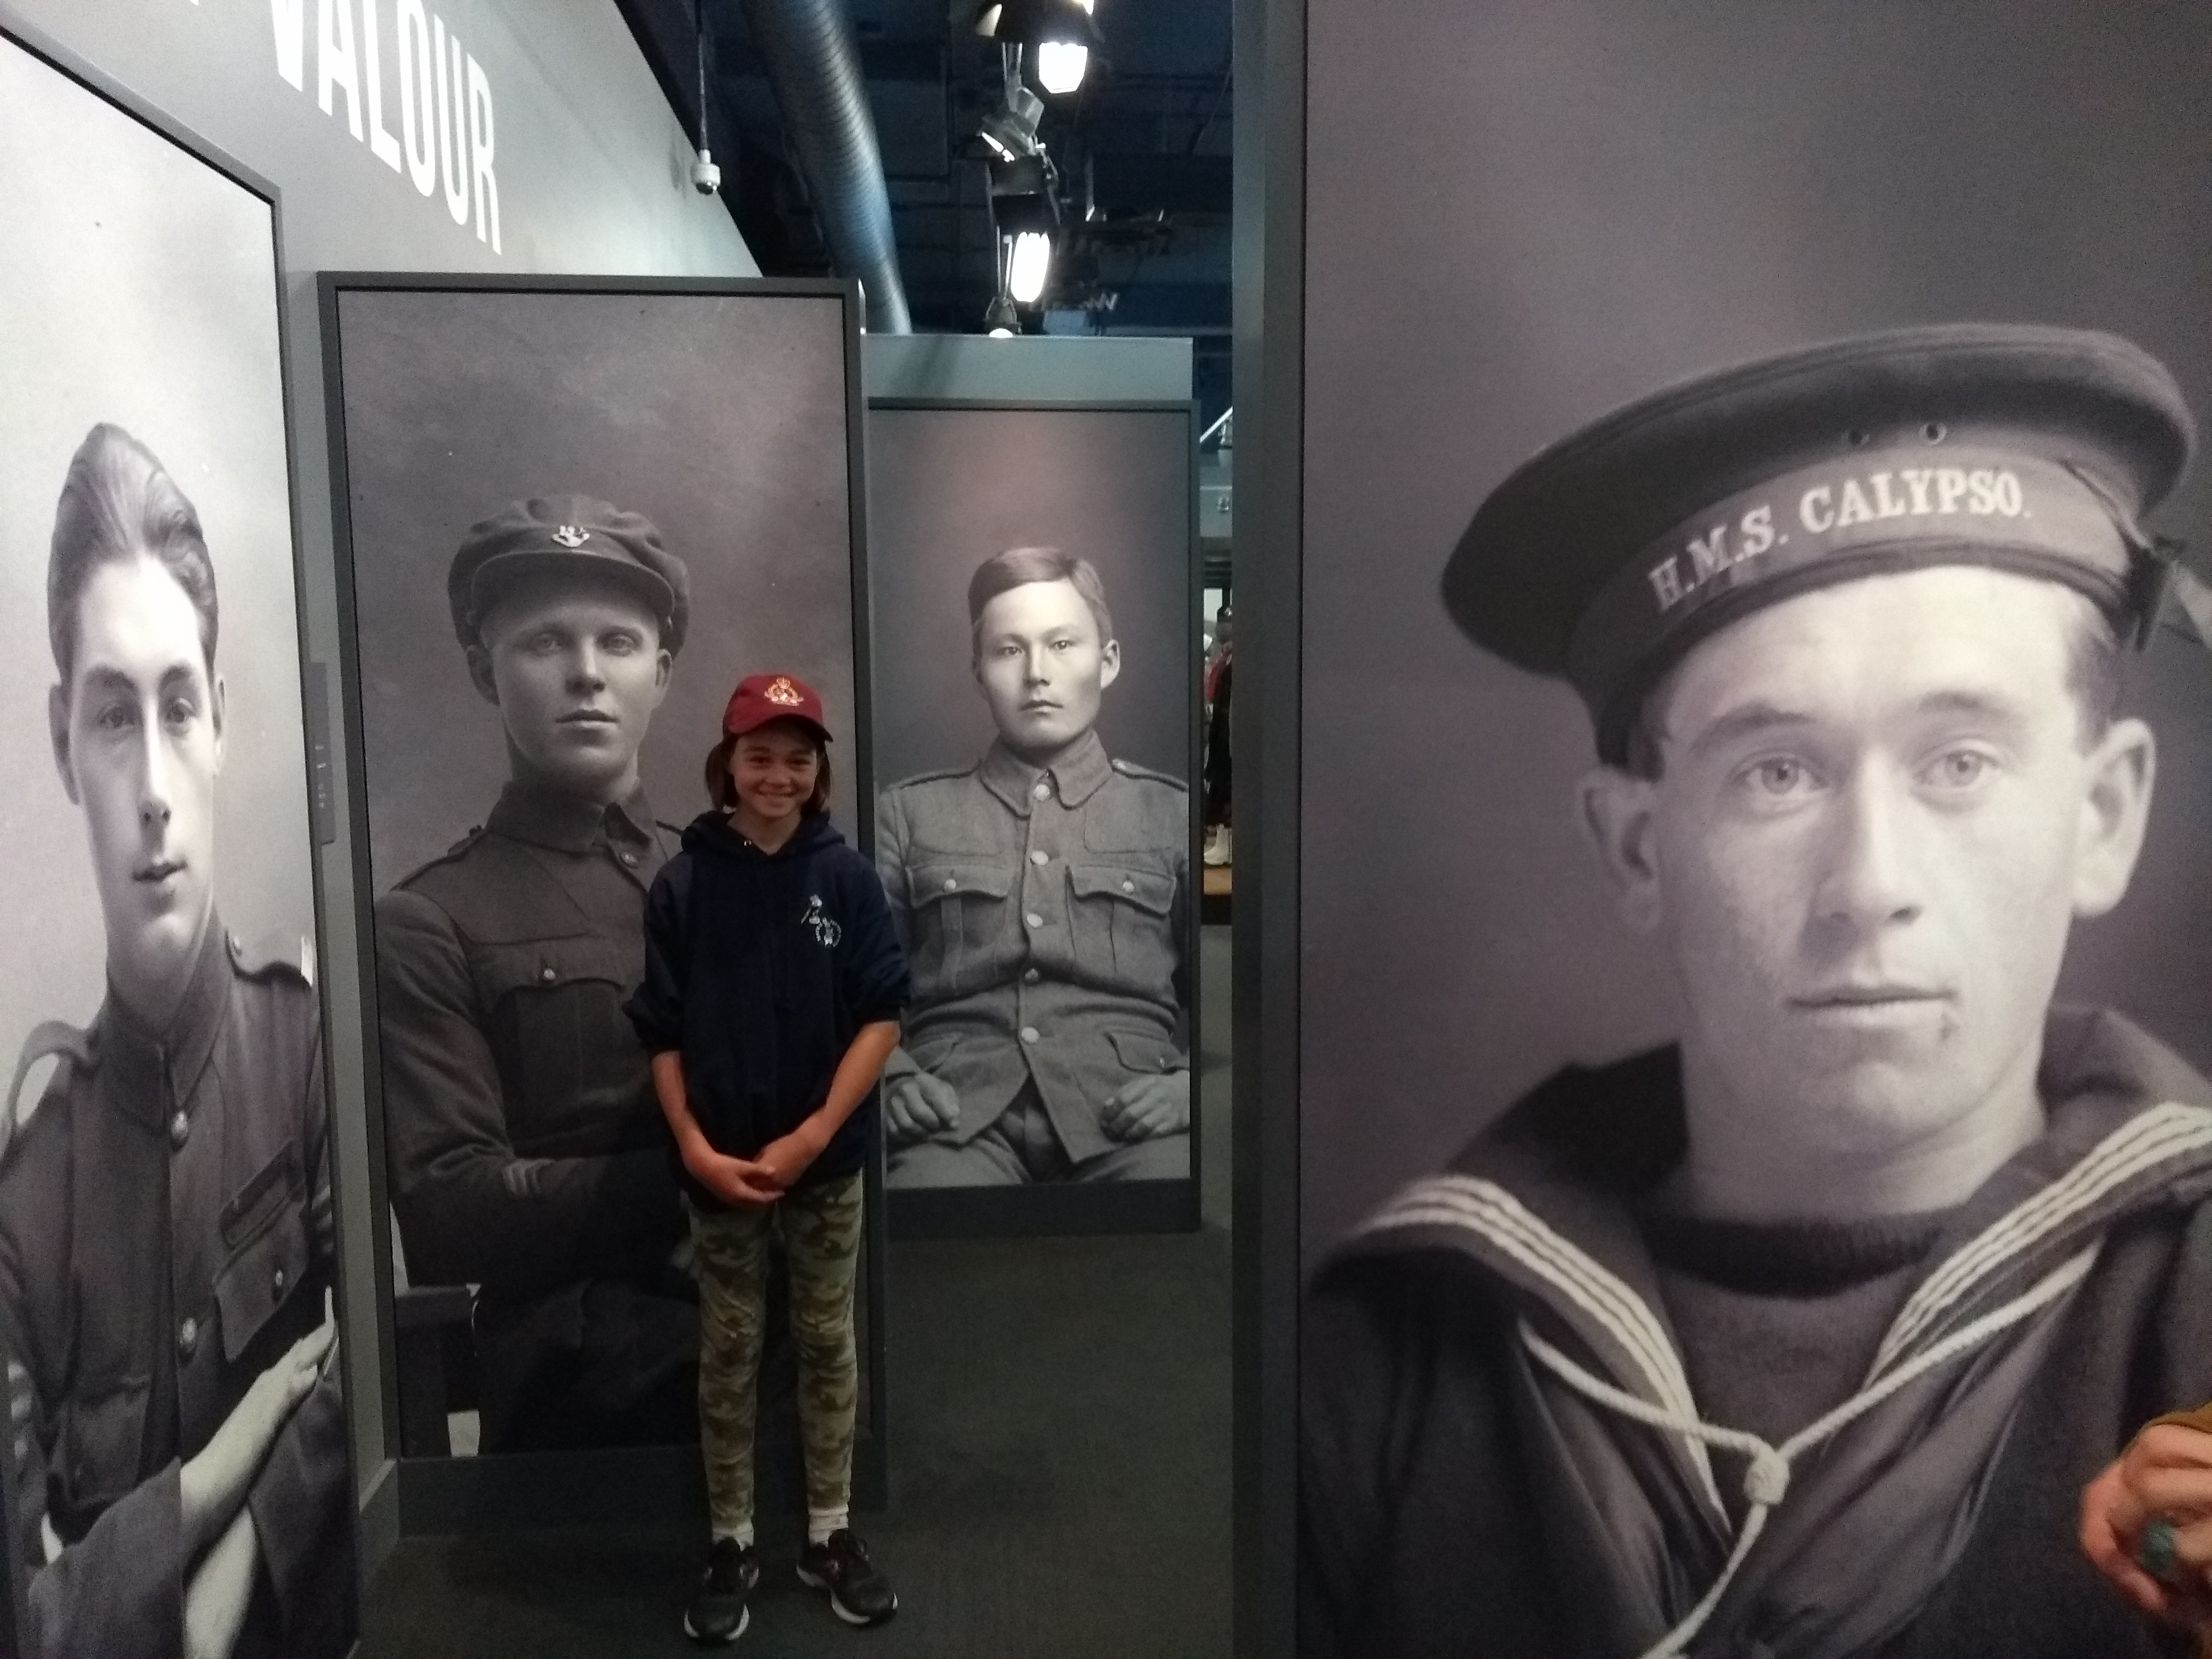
{"points": [[576, 520], [1757, 766], [1031, 575], [179, 1455]]}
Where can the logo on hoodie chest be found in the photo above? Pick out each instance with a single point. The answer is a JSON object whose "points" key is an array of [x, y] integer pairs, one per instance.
{"points": [[822, 924]]}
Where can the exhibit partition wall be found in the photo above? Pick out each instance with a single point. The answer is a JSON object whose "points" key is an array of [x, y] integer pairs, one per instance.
{"points": [[1743, 849], [1034, 679], [572, 515], [167, 1244]]}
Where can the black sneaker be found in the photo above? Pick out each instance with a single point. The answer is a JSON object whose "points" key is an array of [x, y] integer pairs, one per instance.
{"points": [[718, 1611], [859, 1593]]}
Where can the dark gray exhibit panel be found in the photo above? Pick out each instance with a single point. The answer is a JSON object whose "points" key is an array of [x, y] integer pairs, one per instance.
{"points": [[952, 484], [1640, 196], [541, 1302], [172, 1293]]}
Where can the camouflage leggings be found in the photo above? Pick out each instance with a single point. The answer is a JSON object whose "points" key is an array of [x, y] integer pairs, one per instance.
{"points": [[821, 1244]]}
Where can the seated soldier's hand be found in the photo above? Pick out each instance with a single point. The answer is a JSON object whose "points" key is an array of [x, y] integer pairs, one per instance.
{"points": [[917, 1105], [1158, 1104], [2147, 1523]]}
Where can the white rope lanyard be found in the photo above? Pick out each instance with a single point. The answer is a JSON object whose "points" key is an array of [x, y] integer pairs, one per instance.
{"points": [[1766, 1482]]}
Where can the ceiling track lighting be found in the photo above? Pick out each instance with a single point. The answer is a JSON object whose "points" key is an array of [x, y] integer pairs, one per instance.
{"points": [[1056, 36]]}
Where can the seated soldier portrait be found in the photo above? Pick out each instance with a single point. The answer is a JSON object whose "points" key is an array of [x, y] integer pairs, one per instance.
{"points": [[1042, 896], [166, 1251], [1802, 1333], [526, 1151]]}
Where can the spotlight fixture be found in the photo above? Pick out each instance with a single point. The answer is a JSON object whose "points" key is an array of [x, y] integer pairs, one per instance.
{"points": [[1058, 34], [1010, 133], [1028, 266], [1000, 321]]}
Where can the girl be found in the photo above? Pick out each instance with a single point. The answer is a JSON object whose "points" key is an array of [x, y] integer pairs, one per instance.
{"points": [[773, 987]]}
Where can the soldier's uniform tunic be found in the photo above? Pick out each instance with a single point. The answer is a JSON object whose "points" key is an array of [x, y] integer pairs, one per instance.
{"points": [[528, 1155], [164, 1237], [1043, 914]]}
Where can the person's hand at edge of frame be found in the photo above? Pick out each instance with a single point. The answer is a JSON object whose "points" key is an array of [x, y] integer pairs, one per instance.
{"points": [[1158, 1104], [786, 1159], [917, 1105], [2163, 1481]]}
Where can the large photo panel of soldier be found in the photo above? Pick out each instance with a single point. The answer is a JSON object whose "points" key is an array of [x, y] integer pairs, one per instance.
{"points": [[1755, 785], [574, 516], [1034, 826], [177, 1466]]}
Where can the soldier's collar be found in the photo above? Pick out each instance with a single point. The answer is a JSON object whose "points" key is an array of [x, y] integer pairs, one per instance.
{"points": [[1076, 777], [140, 1060], [567, 823]]}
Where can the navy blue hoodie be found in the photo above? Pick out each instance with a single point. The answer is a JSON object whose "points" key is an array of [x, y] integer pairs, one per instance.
{"points": [[759, 968]]}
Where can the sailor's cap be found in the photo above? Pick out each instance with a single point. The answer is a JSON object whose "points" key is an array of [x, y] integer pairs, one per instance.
{"points": [[2035, 450]]}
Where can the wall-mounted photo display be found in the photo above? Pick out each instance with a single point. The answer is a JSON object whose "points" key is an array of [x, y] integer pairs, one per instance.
{"points": [[177, 1465], [1035, 668], [574, 515], [1755, 776]]}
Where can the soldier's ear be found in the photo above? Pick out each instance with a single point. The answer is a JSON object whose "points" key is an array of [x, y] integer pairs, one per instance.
{"points": [[1110, 664], [1619, 818], [58, 733], [2115, 809], [480, 674], [218, 696]]}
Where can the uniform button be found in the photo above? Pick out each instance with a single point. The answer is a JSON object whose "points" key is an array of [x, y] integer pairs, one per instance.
{"points": [[1034, 919], [180, 1127], [952, 884], [188, 1339], [1040, 858], [1029, 1034], [277, 1283], [1031, 977], [1129, 886], [1042, 790], [549, 975], [630, 859]]}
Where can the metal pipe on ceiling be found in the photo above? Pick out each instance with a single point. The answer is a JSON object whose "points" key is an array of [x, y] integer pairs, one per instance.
{"points": [[814, 67]]}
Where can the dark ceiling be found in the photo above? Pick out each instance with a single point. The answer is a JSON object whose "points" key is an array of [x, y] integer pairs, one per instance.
{"points": [[1143, 151]]}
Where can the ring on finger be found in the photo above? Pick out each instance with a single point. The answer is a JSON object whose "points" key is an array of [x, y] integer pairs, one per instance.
{"points": [[2155, 1550]]}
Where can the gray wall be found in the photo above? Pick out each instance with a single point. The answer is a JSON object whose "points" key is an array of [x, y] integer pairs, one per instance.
{"points": [[589, 164], [1570, 204]]}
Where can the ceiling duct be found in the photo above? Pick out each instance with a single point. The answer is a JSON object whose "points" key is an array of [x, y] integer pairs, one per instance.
{"points": [[814, 67]]}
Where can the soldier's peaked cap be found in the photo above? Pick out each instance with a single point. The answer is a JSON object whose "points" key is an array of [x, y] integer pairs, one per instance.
{"points": [[567, 533], [1608, 556]]}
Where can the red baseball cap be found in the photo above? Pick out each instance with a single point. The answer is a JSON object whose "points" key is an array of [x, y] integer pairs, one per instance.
{"points": [[760, 698]]}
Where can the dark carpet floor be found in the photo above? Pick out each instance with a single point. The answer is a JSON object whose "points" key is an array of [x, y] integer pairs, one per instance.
{"points": [[1058, 1438]]}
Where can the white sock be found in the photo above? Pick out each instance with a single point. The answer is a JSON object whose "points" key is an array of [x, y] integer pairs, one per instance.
{"points": [[743, 1535], [820, 1524]]}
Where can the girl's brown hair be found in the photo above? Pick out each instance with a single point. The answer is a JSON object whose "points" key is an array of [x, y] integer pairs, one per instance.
{"points": [[722, 789]]}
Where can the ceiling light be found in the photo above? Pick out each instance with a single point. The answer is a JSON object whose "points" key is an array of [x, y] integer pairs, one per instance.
{"points": [[1000, 320], [1028, 266], [1010, 133], [1059, 65]]}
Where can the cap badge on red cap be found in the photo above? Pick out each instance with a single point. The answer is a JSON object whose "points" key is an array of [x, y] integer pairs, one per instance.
{"points": [[570, 535], [782, 691]]}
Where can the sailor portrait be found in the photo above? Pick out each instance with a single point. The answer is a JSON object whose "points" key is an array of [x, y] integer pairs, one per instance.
{"points": [[1802, 1334]]}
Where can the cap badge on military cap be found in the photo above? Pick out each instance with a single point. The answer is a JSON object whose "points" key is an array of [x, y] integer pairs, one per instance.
{"points": [[567, 534], [1607, 557]]}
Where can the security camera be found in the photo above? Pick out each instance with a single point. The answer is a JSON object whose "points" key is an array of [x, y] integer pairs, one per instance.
{"points": [[706, 177]]}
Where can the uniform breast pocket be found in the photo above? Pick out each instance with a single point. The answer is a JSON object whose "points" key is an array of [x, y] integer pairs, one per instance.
{"points": [[1123, 919], [261, 1277], [557, 1029], [960, 910]]}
